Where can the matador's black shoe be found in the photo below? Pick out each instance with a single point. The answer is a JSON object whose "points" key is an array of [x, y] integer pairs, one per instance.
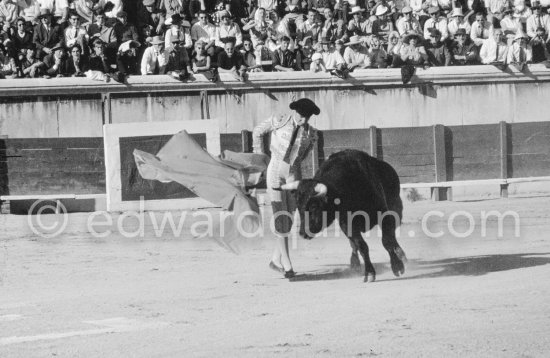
{"points": [[290, 274]]}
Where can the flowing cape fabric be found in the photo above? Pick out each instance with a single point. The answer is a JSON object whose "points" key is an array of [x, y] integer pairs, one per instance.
{"points": [[220, 180]]}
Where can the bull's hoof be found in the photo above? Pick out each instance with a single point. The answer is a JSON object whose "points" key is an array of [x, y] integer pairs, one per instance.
{"points": [[370, 277], [400, 253], [397, 266]]}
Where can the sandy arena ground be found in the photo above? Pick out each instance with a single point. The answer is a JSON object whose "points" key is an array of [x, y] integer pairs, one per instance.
{"points": [[82, 296]]}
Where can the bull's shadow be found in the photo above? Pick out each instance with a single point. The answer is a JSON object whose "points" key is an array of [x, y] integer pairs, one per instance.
{"points": [[458, 266]]}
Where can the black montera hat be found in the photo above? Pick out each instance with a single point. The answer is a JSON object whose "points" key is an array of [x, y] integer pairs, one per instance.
{"points": [[305, 107]]}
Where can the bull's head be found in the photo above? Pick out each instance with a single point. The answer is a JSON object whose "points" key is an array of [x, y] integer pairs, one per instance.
{"points": [[312, 202]]}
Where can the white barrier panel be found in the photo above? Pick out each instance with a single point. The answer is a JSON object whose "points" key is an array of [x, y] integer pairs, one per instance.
{"points": [[112, 135]]}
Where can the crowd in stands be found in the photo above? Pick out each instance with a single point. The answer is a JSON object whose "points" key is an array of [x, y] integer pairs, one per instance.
{"points": [[110, 40]]}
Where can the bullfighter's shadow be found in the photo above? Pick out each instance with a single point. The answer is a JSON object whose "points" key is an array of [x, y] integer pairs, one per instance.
{"points": [[458, 266]]}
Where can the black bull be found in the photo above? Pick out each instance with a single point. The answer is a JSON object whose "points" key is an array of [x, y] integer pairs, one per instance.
{"points": [[358, 191]]}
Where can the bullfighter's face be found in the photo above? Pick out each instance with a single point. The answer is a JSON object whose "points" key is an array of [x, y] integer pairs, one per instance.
{"points": [[312, 206]]}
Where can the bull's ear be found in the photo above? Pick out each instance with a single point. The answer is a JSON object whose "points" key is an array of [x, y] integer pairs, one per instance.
{"points": [[290, 186]]}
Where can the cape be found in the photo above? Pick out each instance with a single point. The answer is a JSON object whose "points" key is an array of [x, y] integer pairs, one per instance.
{"points": [[222, 180]]}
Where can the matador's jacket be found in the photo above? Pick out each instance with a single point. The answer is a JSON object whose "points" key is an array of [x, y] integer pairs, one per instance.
{"points": [[281, 128]]}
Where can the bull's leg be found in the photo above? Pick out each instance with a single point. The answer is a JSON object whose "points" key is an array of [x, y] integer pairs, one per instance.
{"points": [[397, 255], [355, 264], [370, 274]]}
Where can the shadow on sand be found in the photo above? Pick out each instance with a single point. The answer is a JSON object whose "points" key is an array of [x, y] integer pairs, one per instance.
{"points": [[420, 269]]}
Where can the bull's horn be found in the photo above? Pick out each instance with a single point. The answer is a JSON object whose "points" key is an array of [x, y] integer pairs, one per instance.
{"points": [[291, 186], [321, 189]]}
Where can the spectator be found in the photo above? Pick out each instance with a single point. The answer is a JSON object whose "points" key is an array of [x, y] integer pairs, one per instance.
{"points": [[249, 56], [86, 9], [520, 52], [148, 14], [383, 25], [116, 8], [32, 67], [458, 22], [126, 60], [356, 53], [319, 5], [205, 31], [201, 62], [334, 62], [481, 30], [231, 61], [378, 58], [8, 67], [436, 22], [56, 62], [412, 51], [99, 61], [227, 28], [394, 49], [172, 7], [471, 7], [285, 59], [77, 64], [179, 28], [310, 27], [178, 63], [278, 29], [317, 64], [495, 10], [59, 9], [29, 9], [124, 31], [509, 24], [100, 30], [357, 25], [333, 29], [21, 38], [306, 51], [538, 19], [9, 11], [521, 12], [260, 31], [539, 46], [463, 50], [74, 33], [494, 50], [407, 22], [154, 58], [46, 34], [438, 53]]}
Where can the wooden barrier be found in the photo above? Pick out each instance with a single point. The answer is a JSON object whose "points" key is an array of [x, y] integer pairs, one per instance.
{"points": [[437, 154]]}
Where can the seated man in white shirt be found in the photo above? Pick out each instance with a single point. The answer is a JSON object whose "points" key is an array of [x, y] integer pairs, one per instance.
{"points": [[495, 49], [205, 31], [356, 53], [334, 62], [481, 30], [520, 52], [538, 19], [227, 28], [74, 33], [154, 58], [407, 22], [436, 22]]}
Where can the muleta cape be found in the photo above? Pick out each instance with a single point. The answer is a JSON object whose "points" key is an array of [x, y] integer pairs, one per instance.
{"points": [[220, 180]]}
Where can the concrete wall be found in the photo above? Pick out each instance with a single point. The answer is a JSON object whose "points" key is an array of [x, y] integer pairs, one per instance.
{"points": [[452, 96]]}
